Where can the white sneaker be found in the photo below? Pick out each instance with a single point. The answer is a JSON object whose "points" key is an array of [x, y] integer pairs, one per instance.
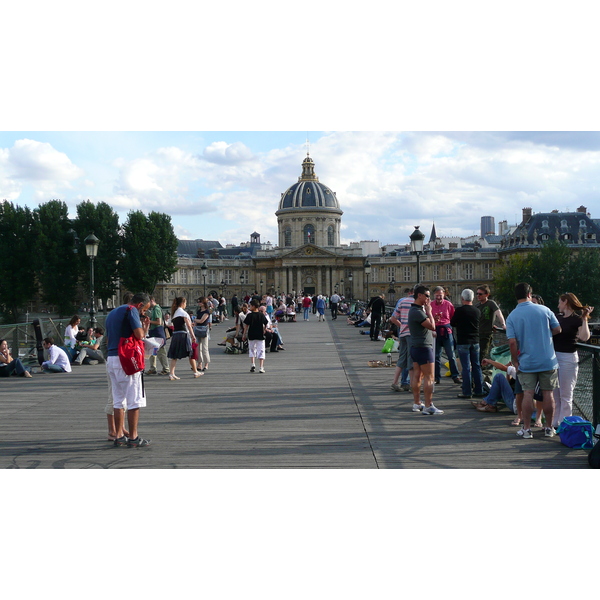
{"points": [[261, 370], [432, 410], [549, 432], [525, 434], [418, 407]]}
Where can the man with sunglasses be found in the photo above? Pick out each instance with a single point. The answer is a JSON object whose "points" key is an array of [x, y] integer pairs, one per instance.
{"points": [[490, 314], [422, 325]]}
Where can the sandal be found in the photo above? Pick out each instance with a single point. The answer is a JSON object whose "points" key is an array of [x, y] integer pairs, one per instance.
{"points": [[173, 377], [197, 374], [516, 422]]}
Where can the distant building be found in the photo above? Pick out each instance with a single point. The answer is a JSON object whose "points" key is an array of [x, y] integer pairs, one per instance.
{"points": [[487, 226]]}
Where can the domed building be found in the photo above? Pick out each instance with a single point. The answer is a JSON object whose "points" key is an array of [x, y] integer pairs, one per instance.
{"points": [[309, 212]]}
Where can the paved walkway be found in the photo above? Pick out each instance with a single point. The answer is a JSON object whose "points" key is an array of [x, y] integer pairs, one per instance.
{"points": [[318, 406]]}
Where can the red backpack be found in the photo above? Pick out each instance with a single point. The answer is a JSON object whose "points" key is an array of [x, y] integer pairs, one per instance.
{"points": [[131, 352]]}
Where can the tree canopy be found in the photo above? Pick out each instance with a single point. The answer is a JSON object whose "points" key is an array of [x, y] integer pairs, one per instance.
{"points": [[552, 271]]}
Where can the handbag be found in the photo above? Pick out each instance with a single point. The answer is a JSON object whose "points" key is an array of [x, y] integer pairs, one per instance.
{"points": [[201, 331], [131, 352]]}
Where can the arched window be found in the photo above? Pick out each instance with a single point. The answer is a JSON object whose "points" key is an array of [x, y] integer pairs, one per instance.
{"points": [[287, 237], [563, 223], [330, 236], [545, 223], [309, 234]]}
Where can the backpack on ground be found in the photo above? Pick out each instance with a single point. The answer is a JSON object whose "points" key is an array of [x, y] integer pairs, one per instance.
{"points": [[576, 432]]}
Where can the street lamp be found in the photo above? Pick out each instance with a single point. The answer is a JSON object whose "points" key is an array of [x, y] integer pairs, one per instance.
{"points": [[204, 268], [241, 285], [261, 287], [392, 291], [91, 249], [367, 273], [342, 287], [350, 280], [416, 245]]}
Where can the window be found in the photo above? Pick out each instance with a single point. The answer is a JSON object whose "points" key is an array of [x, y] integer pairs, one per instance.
{"points": [[391, 273], [488, 270], [435, 272], [407, 273], [309, 234], [330, 236], [468, 270], [422, 269], [212, 276], [196, 276], [287, 237], [183, 276], [448, 271], [227, 276], [374, 273]]}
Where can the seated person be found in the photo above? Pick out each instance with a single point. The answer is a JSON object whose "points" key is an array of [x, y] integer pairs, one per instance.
{"points": [[89, 353], [58, 361], [9, 365], [504, 387], [233, 336], [291, 314], [272, 336]]}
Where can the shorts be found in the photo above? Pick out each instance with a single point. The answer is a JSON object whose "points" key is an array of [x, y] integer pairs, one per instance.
{"points": [[404, 360], [256, 348], [127, 390], [548, 380], [422, 356]]}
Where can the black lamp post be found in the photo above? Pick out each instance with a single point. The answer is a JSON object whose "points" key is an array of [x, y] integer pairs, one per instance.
{"points": [[416, 245], [342, 287], [91, 249], [367, 273], [261, 287], [204, 268], [350, 280], [242, 286]]}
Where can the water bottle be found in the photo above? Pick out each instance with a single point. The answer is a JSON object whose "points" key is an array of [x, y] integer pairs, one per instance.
{"points": [[389, 359]]}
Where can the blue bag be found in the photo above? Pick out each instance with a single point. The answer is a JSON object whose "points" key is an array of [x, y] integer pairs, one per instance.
{"points": [[576, 432]]}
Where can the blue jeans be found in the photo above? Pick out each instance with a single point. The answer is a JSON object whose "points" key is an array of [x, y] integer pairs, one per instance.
{"points": [[501, 390], [469, 359], [306, 313], [446, 342]]}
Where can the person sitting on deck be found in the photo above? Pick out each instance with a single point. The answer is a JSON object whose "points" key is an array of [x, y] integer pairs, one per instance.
{"points": [[58, 361]]}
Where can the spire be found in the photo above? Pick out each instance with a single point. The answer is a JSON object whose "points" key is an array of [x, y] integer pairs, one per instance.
{"points": [[308, 170], [433, 235]]}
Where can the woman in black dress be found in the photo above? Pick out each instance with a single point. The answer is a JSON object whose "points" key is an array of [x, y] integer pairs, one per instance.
{"points": [[181, 341]]}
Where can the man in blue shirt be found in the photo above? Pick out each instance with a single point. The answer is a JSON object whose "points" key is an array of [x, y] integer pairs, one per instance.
{"points": [[125, 321], [529, 329]]}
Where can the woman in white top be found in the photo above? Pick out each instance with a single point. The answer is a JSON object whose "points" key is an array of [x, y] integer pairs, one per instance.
{"points": [[71, 331], [183, 334]]}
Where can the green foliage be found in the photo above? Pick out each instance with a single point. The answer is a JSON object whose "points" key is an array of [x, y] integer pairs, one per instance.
{"points": [[101, 220], [554, 270], [150, 248], [17, 275], [57, 268]]}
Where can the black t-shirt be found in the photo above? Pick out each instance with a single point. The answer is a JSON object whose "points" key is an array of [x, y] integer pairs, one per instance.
{"points": [[200, 314], [466, 324], [486, 323], [566, 340], [256, 322], [377, 305]]}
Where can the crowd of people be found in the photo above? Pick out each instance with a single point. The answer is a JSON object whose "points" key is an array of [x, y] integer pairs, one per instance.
{"points": [[539, 378]]}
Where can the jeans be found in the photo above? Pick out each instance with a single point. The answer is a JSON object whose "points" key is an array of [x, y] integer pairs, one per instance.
{"points": [[501, 390], [568, 366], [447, 343], [306, 313], [334, 308], [15, 366], [469, 359]]}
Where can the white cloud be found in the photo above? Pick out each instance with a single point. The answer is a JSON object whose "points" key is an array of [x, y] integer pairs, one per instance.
{"points": [[39, 161], [227, 154]]}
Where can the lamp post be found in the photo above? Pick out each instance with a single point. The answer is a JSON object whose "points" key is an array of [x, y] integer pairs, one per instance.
{"points": [[91, 249], [242, 286], [350, 280], [416, 245], [204, 268], [342, 287], [392, 291], [261, 287], [367, 273]]}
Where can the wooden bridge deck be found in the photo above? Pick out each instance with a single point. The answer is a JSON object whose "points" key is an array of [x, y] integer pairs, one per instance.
{"points": [[318, 406]]}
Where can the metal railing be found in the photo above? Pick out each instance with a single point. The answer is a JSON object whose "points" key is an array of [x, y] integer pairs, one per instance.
{"points": [[586, 398]]}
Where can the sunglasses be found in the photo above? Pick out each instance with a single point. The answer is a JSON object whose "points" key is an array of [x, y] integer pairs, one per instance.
{"points": [[481, 293]]}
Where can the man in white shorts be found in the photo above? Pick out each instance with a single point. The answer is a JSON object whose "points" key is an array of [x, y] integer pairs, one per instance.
{"points": [[127, 390], [255, 325]]}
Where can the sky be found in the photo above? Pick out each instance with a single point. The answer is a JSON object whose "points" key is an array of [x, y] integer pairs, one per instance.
{"points": [[223, 185]]}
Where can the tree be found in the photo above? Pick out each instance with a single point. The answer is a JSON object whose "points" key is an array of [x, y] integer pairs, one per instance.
{"points": [[56, 267], [552, 271], [150, 251], [101, 220], [17, 275]]}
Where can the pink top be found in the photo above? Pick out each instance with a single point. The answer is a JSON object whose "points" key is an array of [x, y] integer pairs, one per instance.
{"points": [[442, 312]]}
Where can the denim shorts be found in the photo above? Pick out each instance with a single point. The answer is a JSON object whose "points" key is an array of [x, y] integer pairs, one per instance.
{"points": [[422, 356]]}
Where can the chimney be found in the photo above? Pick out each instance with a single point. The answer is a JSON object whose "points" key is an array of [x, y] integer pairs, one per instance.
{"points": [[526, 214], [582, 209]]}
